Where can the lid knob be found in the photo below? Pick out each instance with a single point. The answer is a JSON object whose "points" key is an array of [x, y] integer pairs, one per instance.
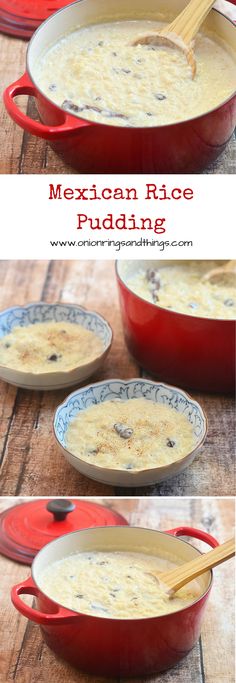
{"points": [[60, 507]]}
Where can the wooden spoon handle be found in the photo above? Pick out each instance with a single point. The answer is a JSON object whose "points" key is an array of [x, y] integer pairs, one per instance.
{"points": [[178, 577], [188, 22], [217, 273], [231, 265]]}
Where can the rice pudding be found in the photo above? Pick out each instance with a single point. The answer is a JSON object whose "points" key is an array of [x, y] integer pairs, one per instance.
{"points": [[133, 434], [96, 73], [113, 584], [49, 347], [181, 288]]}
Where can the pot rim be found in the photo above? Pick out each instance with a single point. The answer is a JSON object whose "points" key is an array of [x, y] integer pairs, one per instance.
{"points": [[112, 125], [163, 308], [123, 619], [64, 373], [133, 473]]}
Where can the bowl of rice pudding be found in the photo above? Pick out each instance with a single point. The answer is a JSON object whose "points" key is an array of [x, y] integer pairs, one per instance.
{"points": [[177, 326], [99, 608], [129, 433], [108, 106], [51, 346]]}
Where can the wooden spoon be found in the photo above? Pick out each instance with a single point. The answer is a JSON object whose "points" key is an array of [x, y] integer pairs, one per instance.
{"points": [[225, 275], [182, 31], [178, 577]]}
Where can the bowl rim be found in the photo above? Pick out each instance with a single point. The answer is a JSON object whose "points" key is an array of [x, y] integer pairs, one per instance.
{"points": [[157, 306], [132, 474], [112, 125], [56, 373], [120, 619]]}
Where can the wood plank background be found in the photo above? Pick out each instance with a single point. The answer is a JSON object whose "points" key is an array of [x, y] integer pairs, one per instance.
{"points": [[24, 657], [30, 461], [23, 153]]}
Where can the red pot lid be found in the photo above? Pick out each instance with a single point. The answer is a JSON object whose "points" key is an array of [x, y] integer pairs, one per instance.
{"points": [[20, 18], [27, 527]]}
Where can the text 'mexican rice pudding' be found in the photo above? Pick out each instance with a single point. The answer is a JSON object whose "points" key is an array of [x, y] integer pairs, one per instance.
{"points": [[113, 584], [132, 434], [48, 347], [97, 73]]}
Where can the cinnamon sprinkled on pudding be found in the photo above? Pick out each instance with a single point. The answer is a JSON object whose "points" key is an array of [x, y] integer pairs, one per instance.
{"points": [[48, 347], [130, 435]]}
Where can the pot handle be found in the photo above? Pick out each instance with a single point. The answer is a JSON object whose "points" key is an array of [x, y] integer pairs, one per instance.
{"points": [[28, 587], [24, 86], [195, 533]]}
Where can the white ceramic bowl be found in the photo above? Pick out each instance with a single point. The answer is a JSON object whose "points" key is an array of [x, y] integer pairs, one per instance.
{"points": [[30, 314], [128, 390]]}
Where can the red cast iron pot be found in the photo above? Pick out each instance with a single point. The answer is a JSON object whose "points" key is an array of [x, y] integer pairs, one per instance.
{"points": [[177, 348], [117, 647], [91, 147]]}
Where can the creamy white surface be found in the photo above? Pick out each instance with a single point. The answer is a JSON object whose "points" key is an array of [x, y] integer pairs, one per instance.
{"points": [[49, 347], [113, 584], [181, 289], [97, 73], [160, 435]]}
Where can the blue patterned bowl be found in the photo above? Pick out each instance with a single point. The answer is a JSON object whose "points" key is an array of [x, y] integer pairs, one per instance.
{"points": [[93, 394], [40, 312]]}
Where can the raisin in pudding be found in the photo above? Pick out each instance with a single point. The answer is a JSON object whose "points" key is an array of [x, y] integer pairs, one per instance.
{"points": [[113, 584], [96, 73], [134, 434], [182, 288], [48, 347]]}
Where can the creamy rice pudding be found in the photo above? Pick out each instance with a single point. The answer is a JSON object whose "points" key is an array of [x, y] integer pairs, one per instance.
{"points": [[49, 347], [95, 72], [113, 584], [181, 288], [133, 434]]}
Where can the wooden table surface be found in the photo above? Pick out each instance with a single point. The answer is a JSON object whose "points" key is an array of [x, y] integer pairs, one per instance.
{"points": [[24, 657], [31, 463], [23, 153]]}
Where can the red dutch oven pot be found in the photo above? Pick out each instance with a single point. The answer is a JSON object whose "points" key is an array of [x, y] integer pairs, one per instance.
{"points": [[185, 147], [181, 349], [117, 647]]}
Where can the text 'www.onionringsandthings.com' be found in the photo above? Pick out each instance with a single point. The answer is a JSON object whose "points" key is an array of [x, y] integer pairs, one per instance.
{"points": [[160, 245]]}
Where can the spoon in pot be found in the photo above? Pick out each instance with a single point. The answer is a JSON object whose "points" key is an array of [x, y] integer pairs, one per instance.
{"points": [[174, 579], [225, 275], [182, 31]]}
